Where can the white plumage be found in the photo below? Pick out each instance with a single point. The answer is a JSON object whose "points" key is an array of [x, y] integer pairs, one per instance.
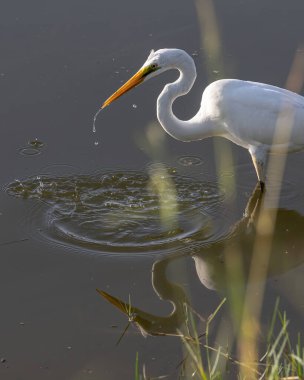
{"points": [[256, 116]]}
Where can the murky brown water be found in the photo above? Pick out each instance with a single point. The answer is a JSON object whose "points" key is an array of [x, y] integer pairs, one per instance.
{"points": [[82, 210]]}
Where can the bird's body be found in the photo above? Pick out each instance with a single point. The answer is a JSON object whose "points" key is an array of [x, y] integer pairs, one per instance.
{"points": [[259, 117], [248, 114]]}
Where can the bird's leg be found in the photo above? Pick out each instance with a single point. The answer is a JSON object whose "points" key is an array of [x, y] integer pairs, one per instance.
{"points": [[262, 186], [253, 206], [259, 159]]}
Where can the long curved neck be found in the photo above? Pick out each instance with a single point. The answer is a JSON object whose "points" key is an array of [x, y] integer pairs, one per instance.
{"points": [[172, 324], [198, 127]]}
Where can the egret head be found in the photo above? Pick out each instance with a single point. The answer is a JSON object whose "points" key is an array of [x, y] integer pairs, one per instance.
{"points": [[156, 63]]}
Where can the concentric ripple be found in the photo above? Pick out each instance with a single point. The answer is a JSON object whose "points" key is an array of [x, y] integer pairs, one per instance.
{"points": [[116, 212], [33, 148], [190, 161]]}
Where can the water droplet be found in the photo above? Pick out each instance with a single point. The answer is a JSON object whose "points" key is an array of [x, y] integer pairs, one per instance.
{"points": [[36, 143], [94, 119]]}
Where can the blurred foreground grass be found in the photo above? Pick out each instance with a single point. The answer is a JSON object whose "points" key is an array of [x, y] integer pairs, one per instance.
{"points": [[202, 361]]}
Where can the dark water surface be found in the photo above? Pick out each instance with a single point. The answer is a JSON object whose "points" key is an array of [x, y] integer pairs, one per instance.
{"points": [[82, 210]]}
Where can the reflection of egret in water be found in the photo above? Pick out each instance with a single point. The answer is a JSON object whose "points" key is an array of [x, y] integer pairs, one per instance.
{"points": [[178, 322], [123, 211], [166, 290], [287, 252]]}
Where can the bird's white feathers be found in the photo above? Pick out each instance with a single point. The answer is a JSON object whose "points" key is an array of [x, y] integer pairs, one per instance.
{"points": [[247, 113], [257, 116], [255, 113]]}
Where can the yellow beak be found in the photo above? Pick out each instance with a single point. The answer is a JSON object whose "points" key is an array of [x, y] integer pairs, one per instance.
{"points": [[132, 82], [122, 306]]}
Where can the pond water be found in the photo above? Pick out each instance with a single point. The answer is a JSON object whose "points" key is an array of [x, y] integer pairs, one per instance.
{"points": [[126, 209]]}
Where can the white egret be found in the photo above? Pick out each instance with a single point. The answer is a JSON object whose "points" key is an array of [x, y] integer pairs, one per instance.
{"points": [[249, 114]]}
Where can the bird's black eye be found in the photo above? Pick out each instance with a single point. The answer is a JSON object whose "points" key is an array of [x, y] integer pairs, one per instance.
{"points": [[154, 66]]}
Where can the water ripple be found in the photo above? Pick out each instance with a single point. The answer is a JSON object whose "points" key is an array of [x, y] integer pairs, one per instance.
{"points": [[117, 212], [190, 161]]}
